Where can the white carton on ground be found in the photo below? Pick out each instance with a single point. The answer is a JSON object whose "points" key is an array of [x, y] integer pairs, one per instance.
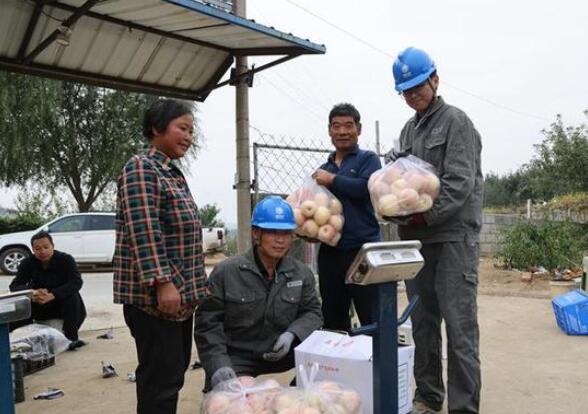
{"points": [[348, 360]]}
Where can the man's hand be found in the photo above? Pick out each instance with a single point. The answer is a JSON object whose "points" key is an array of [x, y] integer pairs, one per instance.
{"points": [[168, 298], [393, 155], [281, 347], [221, 375], [412, 220], [323, 177], [42, 296]]}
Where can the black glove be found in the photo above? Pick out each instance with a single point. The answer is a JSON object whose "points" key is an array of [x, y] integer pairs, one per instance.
{"points": [[281, 347], [221, 375], [393, 155]]}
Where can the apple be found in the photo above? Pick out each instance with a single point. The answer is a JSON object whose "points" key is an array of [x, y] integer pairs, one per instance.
{"points": [[388, 205], [299, 217], [392, 174], [326, 233], [431, 185], [218, 403], [398, 185], [415, 180], [336, 239], [321, 215], [350, 400], [336, 206], [424, 203], [375, 177], [310, 229], [408, 198], [308, 208], [337, 221], [321, 199], [380, 188]]}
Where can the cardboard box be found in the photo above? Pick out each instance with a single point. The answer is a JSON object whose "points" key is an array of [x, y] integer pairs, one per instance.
{"points": [[348, 360]]}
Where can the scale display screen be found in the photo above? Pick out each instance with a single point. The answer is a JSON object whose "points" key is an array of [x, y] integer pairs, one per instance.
{"points": [[390, 257]]}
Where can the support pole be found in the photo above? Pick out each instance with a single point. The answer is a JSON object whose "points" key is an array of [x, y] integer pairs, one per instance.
{"points": [[243, 176], [385, 350], [6, 390], [378, 149]]}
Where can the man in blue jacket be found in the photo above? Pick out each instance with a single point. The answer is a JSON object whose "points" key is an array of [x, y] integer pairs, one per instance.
{"points": [[346, 174]]}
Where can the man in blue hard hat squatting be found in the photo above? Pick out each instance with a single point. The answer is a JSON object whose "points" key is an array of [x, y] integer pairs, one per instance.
{"points": [[260, 304], [445, 137]]}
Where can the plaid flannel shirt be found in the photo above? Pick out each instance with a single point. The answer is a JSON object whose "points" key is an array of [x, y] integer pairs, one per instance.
{"points": [[158, 235]]}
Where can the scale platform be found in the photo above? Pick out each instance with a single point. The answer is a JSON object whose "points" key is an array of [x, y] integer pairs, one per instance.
{"points": [[382, 262]]}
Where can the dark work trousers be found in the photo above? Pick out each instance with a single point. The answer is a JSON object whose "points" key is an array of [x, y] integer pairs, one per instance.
{"points": [[71, 309], [254, 365], [336, 295], [447, 286], [163, 351]]}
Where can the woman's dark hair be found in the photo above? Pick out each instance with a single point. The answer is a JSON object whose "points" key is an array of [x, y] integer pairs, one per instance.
{"points": [[161, 113], [42, 235], [345, 109]]}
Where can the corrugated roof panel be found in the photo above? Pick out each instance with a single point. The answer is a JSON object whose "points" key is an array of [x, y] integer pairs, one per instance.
{"points": [[177, 47]]}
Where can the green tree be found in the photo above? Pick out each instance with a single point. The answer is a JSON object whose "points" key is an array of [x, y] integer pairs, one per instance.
{"points": [[558, 167], [209, 215], [62, 134]]}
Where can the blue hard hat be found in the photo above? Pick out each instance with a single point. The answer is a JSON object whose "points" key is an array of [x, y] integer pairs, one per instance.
{"points": [[412, 67], [273, 213]]}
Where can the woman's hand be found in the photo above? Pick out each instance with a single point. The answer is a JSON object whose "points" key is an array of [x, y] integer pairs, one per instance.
{"points": [[42, 296], [168, 298]]}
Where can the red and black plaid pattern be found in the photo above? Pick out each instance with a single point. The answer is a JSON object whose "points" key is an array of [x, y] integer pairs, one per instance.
{"points": [[158, 233]]}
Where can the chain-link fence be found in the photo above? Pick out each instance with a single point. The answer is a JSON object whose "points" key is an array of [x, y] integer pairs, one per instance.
{"points": [[280, 166]]}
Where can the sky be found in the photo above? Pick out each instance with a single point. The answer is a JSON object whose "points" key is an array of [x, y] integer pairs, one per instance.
{"points": [[511, 66]]}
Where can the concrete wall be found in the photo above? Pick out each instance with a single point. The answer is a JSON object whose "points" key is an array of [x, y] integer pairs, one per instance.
{"points": [[491, 227]]}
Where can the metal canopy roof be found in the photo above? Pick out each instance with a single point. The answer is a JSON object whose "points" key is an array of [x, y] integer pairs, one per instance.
{"points": [[179, 48]]}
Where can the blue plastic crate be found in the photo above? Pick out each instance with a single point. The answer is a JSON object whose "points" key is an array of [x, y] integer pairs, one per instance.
{"points": [[571, 312]]}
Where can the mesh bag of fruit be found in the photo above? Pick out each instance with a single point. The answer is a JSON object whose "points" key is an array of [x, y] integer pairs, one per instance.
{"points": [[243, 395], [406, 186], [316, 397], [319, 214]]}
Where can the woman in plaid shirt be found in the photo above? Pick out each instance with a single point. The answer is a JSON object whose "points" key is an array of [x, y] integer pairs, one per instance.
{"points": [[158, 262]]}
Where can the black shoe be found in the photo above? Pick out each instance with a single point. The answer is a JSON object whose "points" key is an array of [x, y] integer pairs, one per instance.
{"points": [[74, 345]]}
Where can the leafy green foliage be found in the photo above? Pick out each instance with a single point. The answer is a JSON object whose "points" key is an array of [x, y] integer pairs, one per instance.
{"points": [[553, 245], [67, 135], [21, 222], [209, 216], [558, 167]]}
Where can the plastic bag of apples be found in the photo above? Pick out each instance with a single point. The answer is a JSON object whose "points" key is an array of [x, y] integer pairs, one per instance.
{"points": [[406, 186], [316, 397], [318, 213], [243, 395]]}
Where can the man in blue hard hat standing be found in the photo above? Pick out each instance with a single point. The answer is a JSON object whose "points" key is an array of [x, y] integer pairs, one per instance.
{"points": [[260, 304], [445, 137]]}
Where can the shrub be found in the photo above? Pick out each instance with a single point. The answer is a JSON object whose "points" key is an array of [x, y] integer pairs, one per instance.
{"points": [[553, 245], [21, 222]]}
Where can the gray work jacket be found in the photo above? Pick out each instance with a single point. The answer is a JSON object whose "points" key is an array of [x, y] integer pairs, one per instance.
{"points": [[242, 316], [446, 138]]}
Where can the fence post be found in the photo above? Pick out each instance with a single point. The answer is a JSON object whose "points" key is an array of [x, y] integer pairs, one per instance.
{"points": [[528, 209]]}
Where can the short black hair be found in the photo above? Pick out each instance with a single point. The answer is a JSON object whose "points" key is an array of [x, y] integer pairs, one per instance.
{"points": [[345, 109], [42, 235], [161, 113]]}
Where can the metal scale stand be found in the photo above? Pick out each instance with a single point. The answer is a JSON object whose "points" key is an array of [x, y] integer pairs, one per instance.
{"points": [[13, 307], [383, 264]]}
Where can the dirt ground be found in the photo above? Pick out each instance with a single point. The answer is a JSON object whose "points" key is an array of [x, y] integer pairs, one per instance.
{"points": [[528, 364]]}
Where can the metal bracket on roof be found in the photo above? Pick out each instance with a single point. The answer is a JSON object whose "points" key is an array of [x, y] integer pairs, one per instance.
{"points": [[67, 23], [234, 78], [246, 77]]}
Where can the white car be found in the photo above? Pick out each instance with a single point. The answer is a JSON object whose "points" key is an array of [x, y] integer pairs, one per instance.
{"points": [[88, 237]]}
